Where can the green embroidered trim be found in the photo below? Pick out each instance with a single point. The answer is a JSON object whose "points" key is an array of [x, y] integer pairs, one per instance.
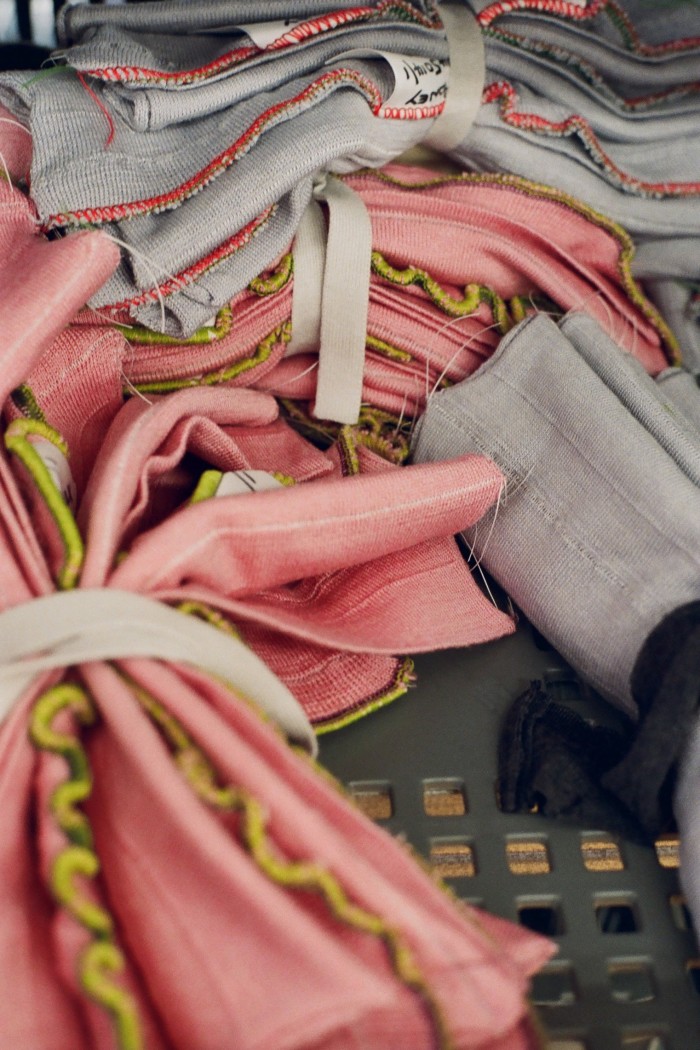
{"points": [[402, 680], [207, 486], [281, 334], [23, 398], [474, 294], [380, 347], [293, 875], [319, 431], [102, 956], [16, 441], [97, 962], [209, 615], [537, 189], [276, 280], [347, 446], [208, 334]]}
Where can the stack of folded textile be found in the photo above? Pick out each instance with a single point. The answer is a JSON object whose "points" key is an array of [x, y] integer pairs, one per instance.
{"points": [[264, 355]]}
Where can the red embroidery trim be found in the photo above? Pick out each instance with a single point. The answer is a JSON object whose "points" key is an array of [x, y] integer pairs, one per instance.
{"points": [[504, 93], [594, 7], [296, 35], [151, 205], [187, 276]]}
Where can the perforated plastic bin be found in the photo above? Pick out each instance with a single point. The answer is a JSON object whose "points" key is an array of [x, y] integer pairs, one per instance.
{"points": [[627, 976]]}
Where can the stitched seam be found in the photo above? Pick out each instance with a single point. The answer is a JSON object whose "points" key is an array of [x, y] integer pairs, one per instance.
{"points": [[101, 957], [503, 93], [281, 111]]}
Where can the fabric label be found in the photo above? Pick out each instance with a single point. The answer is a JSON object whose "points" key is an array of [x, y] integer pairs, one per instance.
{"points": [[57, 466], [240, 482], [420, 87], [420, 84], [265, 33]]}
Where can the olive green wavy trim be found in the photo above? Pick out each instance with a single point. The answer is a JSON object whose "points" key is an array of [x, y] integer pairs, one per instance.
{"points": [[347, 446], [402, 679], [209, 615], [79, 860], [281, 334], [293, 875], [24, 399], [538, 189], [276, 280], [474, 294], [393, 352], [207, 334], [16, 442], [207, 486]]}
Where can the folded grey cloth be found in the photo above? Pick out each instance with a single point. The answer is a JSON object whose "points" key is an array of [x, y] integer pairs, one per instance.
{"points": [[681, 389], [193, 131], [597, 99], [597, 535]]}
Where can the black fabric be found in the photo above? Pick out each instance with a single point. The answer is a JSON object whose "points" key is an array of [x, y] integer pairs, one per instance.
{"points": [[666, 685], [553, 761]]}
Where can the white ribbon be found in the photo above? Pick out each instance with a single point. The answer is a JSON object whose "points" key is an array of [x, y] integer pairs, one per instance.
{"points": [[467, 77], [331, 296], [332, 268], [67, 628]]}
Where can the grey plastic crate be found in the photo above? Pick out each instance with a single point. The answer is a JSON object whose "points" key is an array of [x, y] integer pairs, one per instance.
{"points": [[627, 976]]}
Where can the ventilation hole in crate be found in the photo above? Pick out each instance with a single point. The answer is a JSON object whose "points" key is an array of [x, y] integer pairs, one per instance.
{"points": [[692, 968], [527, 856], [373, 797], [616, 915], [631, 981], [600, 852], [680, 913], [444, 798], [453, 858], [554, 985], [542, 915], [644, 1041], [668, 851]]}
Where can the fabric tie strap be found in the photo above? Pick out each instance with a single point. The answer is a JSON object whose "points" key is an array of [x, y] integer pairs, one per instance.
{"points": [[66, 628], [467, 77], [331, 296]]}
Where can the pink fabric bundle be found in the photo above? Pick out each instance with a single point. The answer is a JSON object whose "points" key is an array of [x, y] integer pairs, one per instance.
{"points": [[173, 874], [457, 261]]}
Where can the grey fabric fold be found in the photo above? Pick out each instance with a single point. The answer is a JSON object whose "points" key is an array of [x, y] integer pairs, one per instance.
{"points": [[597, 536]]}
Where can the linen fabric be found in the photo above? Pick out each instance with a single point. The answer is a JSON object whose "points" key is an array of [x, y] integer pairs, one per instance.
{"points": [[135, 783], [586, 510], [457, 261], [595, 98], [235, 136]]}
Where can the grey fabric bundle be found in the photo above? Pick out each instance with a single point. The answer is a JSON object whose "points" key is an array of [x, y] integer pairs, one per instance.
{"points": [[643, 169], [205, 180], [597, 537]]}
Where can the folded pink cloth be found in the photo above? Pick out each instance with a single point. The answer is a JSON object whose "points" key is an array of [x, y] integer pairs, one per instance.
{"points": [[458, 259], [173, 874], [369, 568]]}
